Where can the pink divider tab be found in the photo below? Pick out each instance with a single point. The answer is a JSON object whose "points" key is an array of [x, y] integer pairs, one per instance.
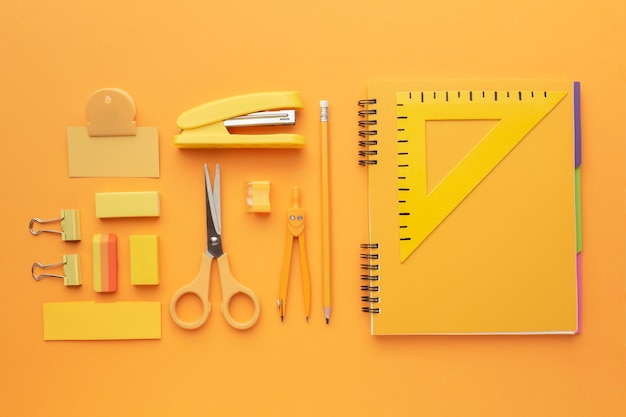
{"points": [[579, 281]]}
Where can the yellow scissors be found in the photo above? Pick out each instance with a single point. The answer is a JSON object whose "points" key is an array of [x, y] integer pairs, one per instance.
{"points": [[200, 285]]}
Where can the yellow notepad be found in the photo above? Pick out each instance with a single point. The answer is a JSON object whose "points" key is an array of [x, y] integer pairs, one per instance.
{"points": [[474, 221]]}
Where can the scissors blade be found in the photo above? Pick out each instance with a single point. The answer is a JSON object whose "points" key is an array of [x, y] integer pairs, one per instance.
{"points": [[213, 220], [217, 201]]}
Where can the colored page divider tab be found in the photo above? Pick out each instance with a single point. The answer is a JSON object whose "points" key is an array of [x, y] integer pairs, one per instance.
{"points": [[105, 263]]}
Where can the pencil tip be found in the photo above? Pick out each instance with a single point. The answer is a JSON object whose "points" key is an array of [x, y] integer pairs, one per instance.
{"points": [[282, 318], [327, 314]]}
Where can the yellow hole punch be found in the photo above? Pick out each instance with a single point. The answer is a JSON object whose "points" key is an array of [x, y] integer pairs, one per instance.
{"points": [[206, 126]]}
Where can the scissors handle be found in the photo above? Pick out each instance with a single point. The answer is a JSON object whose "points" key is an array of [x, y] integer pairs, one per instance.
{"points": [[230, 288], [198, 287]]}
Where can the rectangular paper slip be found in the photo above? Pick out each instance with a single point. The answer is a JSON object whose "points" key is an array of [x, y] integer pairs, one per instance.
{"points": [[116, 156], [101, 321]]}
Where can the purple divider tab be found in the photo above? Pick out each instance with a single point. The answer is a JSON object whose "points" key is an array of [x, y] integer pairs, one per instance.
{"points": [[577, 137]]}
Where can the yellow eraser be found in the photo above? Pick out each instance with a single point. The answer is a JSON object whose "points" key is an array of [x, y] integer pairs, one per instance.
{"points": [[144, 260], [128, 204], [258, 198]]}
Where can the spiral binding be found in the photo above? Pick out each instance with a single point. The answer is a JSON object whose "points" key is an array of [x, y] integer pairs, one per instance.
{"points": [[367, 133], [370, 275]]}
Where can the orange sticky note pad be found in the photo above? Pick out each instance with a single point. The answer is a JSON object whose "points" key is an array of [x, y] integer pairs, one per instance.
{"points": [[105, 263]]}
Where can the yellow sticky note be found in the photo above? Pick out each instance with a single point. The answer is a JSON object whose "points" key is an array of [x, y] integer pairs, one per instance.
{"points": [[128, 204], [144, 260], [102, 321]]}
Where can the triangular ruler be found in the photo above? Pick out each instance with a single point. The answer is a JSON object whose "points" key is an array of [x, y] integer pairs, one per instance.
{"points": [[420, 210], [448, 142]]}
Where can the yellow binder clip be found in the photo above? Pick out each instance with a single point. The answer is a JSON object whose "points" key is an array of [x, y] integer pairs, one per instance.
{"points": [[206, 126], [71, 270], [70, 225]]}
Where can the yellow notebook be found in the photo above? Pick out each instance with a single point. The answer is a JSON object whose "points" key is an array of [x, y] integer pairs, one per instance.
{"points": [[474, 207]]}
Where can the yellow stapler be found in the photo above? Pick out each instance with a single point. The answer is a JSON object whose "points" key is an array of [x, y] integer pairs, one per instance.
{"points": [[206, 126]]}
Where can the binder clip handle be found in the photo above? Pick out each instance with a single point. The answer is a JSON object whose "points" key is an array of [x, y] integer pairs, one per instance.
{"points": [[44, 275], [31, 226], [70, 225], [71, 270]]}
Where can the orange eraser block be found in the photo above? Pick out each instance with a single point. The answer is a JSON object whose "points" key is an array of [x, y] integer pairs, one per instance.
{"points": [[105, 263]]}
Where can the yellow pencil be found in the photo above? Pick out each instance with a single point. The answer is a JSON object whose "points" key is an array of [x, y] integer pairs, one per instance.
{"points": [[325, 209]]}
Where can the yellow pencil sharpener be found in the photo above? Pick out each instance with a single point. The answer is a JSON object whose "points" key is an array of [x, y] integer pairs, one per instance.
{"points": [[258, 197]]}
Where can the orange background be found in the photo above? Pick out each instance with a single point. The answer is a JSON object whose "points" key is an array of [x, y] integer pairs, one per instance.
{"points": [[171, 56]]}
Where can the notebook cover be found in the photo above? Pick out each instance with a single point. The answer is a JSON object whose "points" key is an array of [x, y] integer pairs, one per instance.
{"points": [[504, 260]]}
